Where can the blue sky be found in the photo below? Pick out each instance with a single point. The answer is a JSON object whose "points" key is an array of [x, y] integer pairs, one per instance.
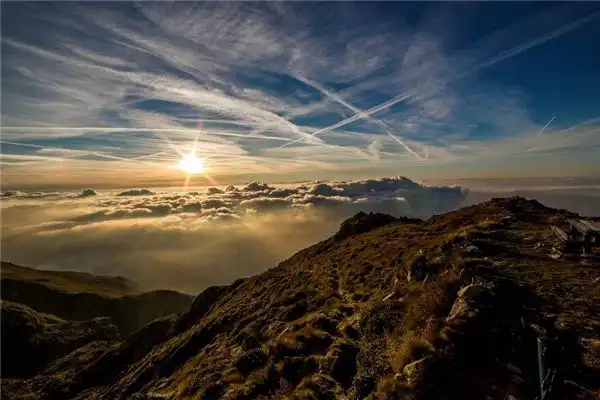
{"points": [[95, 94]]}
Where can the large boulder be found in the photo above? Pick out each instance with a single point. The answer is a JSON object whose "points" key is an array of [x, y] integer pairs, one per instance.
{"points": [[470, 301]]}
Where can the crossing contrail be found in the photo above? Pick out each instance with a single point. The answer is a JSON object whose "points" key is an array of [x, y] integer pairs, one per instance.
{"points": [[485, 63], [339, 100], [545, 126]]}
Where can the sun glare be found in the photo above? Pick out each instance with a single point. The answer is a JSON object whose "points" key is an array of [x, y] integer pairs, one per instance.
{"points": [[191, 164]]}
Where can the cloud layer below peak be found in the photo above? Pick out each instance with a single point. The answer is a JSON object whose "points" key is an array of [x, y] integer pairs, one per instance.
{"points": [[195, 239]]}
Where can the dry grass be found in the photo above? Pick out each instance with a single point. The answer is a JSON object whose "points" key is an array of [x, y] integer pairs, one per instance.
{"points": [[334, 293], [407, 348]]}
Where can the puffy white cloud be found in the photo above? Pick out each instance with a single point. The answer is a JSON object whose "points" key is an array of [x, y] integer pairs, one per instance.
{"points": [[256, 187], [214, 203], [18, 194], [282, 192], [322, 189], [192, 206], [10, 193], [266, 204], [107, 215]]}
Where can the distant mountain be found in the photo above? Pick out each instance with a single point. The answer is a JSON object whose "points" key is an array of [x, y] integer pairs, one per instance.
{"points": [[447, 308], [80, 296], [70, 281]]}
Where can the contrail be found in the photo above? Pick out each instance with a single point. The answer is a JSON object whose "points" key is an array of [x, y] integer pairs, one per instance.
{"points": [[80, 152], [126, 130], [545, 126], [360, 115], [537, 41], [357, 110], [486, 63], [571, 128]]}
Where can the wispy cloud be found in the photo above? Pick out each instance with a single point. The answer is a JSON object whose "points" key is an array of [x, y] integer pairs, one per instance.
{"points": [[261, 88]]}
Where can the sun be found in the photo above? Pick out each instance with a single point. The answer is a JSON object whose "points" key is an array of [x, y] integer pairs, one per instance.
{"points": [[191, 164]]}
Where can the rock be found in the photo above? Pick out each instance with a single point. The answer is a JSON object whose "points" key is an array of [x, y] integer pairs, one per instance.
{"points": [[469, 301], [325, 323], [513, 368], [414, 371], [251, 361], [417, 271], [539, 330], [340, 363], [381, 317], [508, 218], [473, 250], [464, 242], [351, 332], [387, 297], [474, 291]]}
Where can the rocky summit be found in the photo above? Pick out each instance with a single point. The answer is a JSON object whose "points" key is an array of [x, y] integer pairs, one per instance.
{"points": [[452, 307]]}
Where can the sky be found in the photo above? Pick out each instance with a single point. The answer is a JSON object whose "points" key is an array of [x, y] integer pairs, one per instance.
{"points": [[108, 95]]}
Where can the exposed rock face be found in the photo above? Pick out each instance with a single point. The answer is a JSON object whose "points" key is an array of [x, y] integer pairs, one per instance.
{"points": [[30, 340]]}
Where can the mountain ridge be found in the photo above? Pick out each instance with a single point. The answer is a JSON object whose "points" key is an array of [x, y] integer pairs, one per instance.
{"points": [[449, 307]]}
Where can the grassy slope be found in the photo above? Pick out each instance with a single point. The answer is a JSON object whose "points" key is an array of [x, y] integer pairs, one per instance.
{"points": [[340, 320]]}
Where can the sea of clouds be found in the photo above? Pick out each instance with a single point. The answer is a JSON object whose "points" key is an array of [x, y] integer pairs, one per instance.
{"points": [[194, 239]]}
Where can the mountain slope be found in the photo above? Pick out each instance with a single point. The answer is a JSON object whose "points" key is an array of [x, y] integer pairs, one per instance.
{"points": [[80, 296], [33, 339], [445, 308], [70, 281]]}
